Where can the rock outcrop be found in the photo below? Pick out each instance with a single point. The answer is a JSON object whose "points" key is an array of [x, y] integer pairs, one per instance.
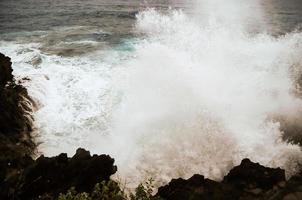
{"points": [[48, 177], [245, 182], [15, 104], [6, 70], [56, 175], [21, 177], [16, 143]]}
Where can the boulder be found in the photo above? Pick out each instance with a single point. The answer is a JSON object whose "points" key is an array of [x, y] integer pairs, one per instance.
{"points": [[249, 175], [56, 175], [247, 181], [195, 188]]}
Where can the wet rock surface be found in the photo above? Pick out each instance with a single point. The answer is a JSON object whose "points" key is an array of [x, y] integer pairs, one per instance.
{"points": [[15, 103], [48, 177], [55, 175], [6, 70], [247, 181], [16, 143], [21, 177]]}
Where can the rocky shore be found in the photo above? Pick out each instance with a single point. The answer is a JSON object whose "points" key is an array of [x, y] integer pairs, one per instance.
{"points": [[23, 178], [16, 144], [246, 182]]}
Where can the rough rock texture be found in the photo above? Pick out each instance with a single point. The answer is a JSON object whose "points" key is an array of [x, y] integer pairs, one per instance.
{"points": [[52, 176], [21, 177], [196, 187], [247, 181], [249, 176], [15, 103], [6, 70], [15, 124], [57, 174]]}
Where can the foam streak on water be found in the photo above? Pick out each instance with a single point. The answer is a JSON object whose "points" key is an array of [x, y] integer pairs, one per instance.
{"points": [[192, 97]]}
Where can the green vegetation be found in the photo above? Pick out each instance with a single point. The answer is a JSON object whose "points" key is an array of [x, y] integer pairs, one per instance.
{"points": [[73, 195], [111, 190], [144, 192]]}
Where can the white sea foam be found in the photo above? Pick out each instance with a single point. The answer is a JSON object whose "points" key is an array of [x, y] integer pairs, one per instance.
{"points": [[193, 97]]}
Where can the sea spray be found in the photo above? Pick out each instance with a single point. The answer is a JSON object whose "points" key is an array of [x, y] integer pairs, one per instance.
{"points": [[200, 98], [189, 96]]}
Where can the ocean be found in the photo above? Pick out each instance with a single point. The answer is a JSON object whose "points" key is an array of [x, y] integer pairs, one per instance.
{"points": [[167, 88]]}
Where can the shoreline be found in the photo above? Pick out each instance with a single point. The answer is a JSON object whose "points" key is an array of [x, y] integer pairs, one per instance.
{"points": [[22, 177]]}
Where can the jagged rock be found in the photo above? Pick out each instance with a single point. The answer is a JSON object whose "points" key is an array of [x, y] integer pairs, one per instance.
{"points": [[15, 103], [6, 70], [291, 189], [57, 174], [247, 181], [20, 176], [16, 143], [196, 187], [249, 175]]}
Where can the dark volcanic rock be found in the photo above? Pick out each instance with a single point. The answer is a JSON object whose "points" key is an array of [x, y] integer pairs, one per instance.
{"points": [[57, 174], [195, 188], [6, 70], [15, 103], [247, 181], [249, 174], [20, 176], [16, 143]]}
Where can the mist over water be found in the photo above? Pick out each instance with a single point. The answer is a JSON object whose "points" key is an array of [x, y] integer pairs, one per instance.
{"points": [[201, 97], [190, 93]]}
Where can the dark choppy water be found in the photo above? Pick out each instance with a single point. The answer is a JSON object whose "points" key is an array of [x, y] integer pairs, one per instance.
{"points": [[72, 20], [117, 16], [107, 22]]}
